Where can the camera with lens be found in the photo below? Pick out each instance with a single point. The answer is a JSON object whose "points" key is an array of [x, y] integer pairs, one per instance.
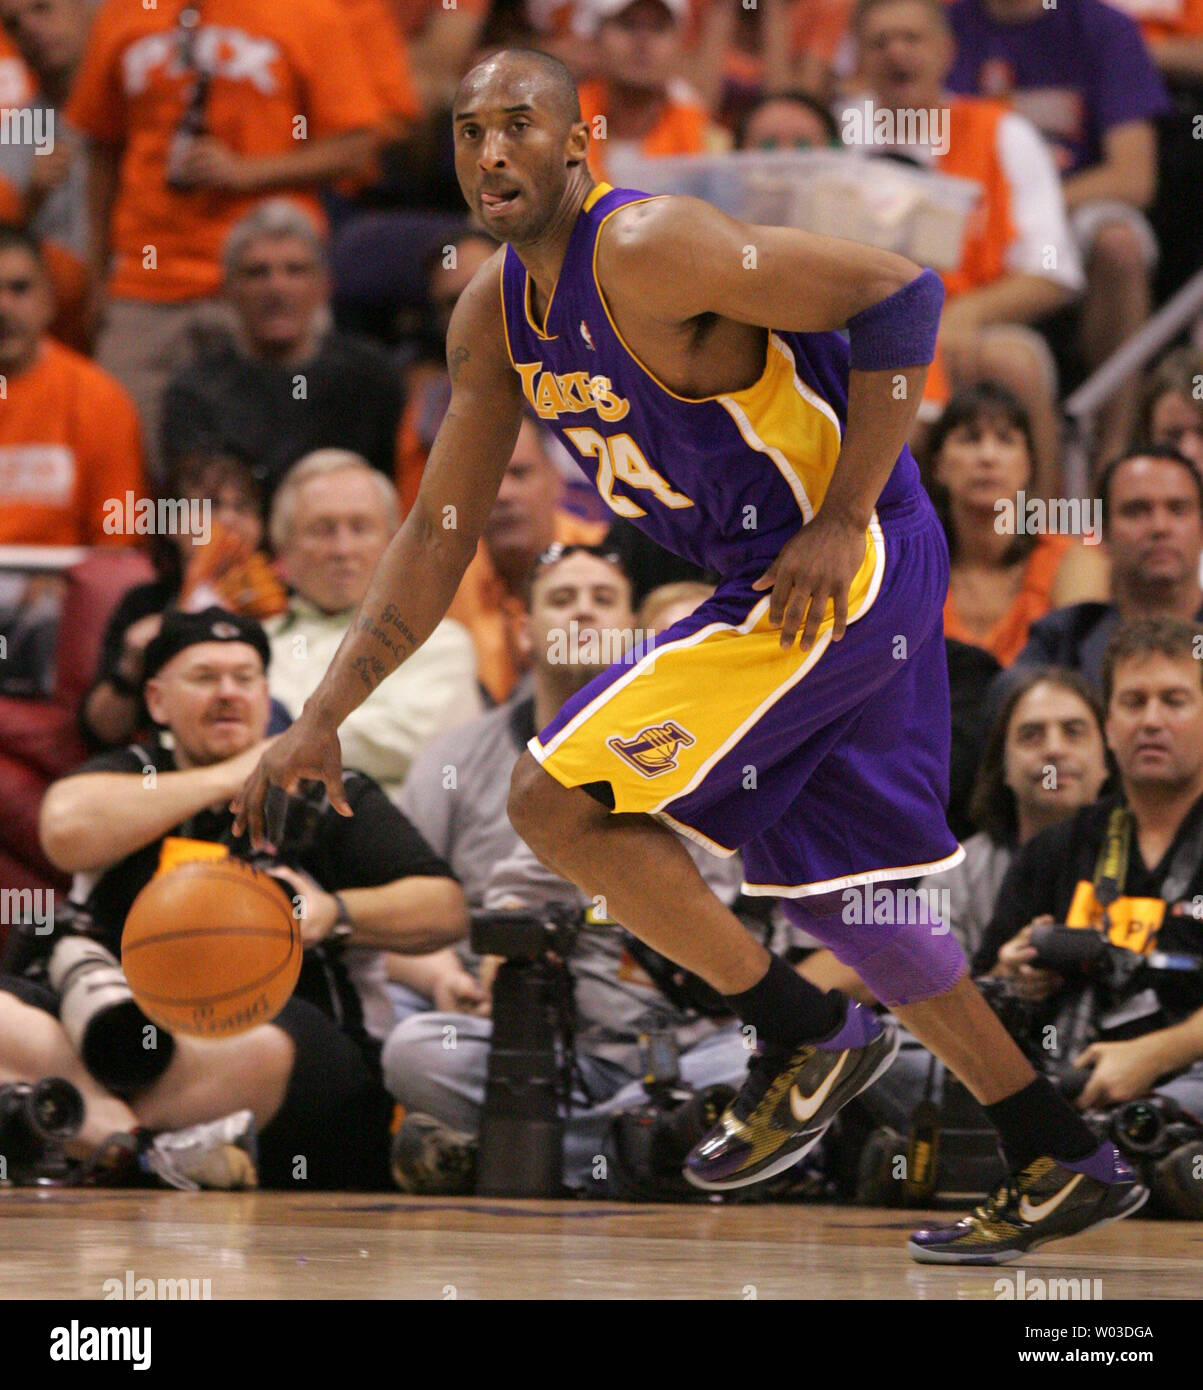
{"points": [[36, 1120], [1147, 1129], [529, 1082], [647, 1143], [1085, 954]]}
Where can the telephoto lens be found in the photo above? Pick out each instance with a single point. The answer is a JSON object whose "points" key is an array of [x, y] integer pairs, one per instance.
{"points": [[522, 1132], [1140, 1126], [35, 1120]]}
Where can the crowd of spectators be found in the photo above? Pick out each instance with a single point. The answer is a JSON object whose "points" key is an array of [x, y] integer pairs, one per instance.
{"points": [[201, 192]]}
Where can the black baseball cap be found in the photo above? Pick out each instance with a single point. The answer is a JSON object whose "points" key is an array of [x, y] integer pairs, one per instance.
{"points": [[182, 630]]}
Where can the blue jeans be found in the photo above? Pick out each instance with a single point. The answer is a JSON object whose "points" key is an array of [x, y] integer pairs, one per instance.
{"points": [[437, 1063]]}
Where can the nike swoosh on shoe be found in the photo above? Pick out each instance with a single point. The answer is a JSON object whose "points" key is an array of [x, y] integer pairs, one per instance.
{"points": [[1032, 1214], [804, 1108]]}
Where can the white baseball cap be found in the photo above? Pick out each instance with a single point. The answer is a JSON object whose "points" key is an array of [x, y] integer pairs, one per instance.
{"points": [[589, 15]]}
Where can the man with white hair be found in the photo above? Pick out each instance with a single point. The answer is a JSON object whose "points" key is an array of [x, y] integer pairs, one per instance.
{"points": [[331, 520], [287, 382]]}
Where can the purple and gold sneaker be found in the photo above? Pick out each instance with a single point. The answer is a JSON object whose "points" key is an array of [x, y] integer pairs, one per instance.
{"points": [[1044, 1201], [789, 1098]]}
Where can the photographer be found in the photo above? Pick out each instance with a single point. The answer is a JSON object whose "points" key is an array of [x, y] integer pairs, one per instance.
{"points": [[435, 1064], [360, 885], [1130, 867]]}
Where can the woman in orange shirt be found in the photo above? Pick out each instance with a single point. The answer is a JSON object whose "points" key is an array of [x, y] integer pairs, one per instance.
{"points": [[979, 455]]}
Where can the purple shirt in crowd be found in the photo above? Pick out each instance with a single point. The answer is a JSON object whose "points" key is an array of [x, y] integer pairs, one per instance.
{"points": [[1074, 71]]}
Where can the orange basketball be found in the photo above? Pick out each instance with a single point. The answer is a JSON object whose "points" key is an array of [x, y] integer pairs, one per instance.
{"points": [[211, 948]]}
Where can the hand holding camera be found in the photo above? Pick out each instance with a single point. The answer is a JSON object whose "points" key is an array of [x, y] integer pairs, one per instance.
{"points": [[1018, 963]]}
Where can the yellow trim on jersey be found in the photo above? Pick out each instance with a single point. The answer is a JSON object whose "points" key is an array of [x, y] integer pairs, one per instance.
{"points": [[709, 688], [599, 190], [505, 318], [530, 316], [781, 416]]}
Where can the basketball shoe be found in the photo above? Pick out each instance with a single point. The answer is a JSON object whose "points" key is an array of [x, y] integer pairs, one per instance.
{"points": [[790, 1097], [431, 1159], [1044, 1201]]}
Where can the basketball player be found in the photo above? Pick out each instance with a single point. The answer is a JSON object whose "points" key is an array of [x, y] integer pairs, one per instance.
{"points": [[690, 364]]}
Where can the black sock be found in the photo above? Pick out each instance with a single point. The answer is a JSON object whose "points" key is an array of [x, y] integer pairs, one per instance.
{"points": [[1039, 1120], [785, 1009]]}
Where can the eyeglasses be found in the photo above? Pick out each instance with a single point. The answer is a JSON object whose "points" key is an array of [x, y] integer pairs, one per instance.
{"points": [[558, 551]]}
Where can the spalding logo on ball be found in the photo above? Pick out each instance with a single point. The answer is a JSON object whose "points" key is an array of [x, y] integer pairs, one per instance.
{"points": [[211, 948]]}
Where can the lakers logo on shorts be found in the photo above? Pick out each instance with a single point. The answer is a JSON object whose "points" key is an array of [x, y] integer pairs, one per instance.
{"points": [[653, 751]]}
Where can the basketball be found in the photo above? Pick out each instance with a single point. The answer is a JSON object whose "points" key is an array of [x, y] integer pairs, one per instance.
{"points": [[211, 948]]}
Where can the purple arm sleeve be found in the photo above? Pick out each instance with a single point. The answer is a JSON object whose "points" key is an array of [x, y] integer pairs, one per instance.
{"points": [[900, 331]]}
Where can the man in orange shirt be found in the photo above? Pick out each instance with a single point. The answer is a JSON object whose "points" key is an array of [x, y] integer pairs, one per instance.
{"points": [[637, 100], [44, 188], [386, 58], [280, 102], [1019, 261], [69, 446]]}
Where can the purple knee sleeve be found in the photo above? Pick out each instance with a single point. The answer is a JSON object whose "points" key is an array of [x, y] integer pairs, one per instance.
{"points": [[900, 948]]}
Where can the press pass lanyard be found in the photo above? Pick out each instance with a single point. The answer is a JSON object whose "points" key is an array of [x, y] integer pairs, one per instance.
{"points": [[1111, 869]]}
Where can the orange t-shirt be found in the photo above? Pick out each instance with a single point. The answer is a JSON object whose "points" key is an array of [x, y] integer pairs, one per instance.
{"points": [[385, 53], [1008, 637], [273, 64], [819, 26], [682, 128], [69, 444], [493, 615], [973, 153]]}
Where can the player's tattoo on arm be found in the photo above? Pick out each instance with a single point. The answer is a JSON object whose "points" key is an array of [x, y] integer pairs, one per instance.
{"points": [[370, 669], [455, 360], [392, 616], [397, 637]]}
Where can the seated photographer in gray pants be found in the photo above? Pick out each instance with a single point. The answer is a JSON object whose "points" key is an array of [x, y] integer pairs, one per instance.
{"points": [[435, 1064], [1110, 1002]]}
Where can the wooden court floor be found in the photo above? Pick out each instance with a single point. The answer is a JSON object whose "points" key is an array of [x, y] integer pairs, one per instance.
{"points": [[63, 1244]]}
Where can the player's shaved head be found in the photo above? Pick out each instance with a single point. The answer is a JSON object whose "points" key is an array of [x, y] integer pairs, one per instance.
{"points": [[549, 82], [521, 148]]}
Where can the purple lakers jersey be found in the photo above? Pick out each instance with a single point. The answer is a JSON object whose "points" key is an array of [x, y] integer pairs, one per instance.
{"points": [[724, 480]]}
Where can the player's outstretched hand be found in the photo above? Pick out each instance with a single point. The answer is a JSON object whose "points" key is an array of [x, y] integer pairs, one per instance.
{"points": [[814, 568], [309, 749]]}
